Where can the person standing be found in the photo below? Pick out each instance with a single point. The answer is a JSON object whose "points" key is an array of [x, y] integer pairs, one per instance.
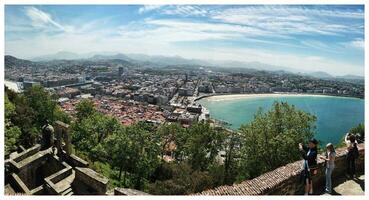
{"points": [[309, 155], [329, 166], [47, 135], [351, 154]]}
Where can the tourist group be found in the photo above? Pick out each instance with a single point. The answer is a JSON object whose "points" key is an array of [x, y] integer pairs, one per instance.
{"points": [[309, 153]]}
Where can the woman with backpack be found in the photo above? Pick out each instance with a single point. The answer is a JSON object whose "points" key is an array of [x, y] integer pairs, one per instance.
{"points": [[329, 158], [309, 154], [352, 153]]}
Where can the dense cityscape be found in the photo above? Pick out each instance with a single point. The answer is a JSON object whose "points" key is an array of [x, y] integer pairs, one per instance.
{"points": [[133, 92]]}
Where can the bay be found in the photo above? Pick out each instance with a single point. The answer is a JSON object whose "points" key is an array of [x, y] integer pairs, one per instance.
{"points": [[335, 115]]}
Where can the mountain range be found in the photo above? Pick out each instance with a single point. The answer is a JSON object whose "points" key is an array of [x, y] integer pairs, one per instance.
{"points": [[161, 61]]}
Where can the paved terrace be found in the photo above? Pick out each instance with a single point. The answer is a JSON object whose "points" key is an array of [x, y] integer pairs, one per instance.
{"points": [[285, 180], [342, 186]]}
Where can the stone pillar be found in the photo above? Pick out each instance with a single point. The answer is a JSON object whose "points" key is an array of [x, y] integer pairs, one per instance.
{"points": [[47, 136], [63, 135], [67, 140], [59, 135]]}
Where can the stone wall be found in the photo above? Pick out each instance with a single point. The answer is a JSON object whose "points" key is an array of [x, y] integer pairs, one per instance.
{"points": [[87, 181], [285, 180], [128, 192]]}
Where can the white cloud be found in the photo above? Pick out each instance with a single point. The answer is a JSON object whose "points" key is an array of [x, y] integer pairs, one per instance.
{"points": [[185, 10], [291, 20], [179, 10], [148, 8], [40, 19], [357, 43], [320, 46], [162, 36], [97, 42], [170, 30]]}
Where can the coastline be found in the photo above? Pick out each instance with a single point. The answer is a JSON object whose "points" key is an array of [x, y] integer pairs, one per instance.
{"points": [[227, 122], [224, 97], [12, 85]]}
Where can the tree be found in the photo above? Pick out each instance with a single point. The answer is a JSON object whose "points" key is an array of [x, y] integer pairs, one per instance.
{"points": [[169, 134], [145, 151], [30, 112], [184, 180], [84, 109], [9, 109], [119, 148], [23, 117], [12, 133], [271, 139], [42, 104], [89, 134], [359, 129], [60, 115], [231, 149], [203, 144]]}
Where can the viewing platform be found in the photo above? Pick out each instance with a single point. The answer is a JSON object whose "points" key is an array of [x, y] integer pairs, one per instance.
{"points": [[285, 180]]}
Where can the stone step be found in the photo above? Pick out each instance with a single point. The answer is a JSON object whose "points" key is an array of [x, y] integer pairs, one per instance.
{"points": [[65, 192]]}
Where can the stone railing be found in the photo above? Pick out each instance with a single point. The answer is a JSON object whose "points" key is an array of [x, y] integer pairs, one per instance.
{"points": [[93, 182], [53, 179], [285, 180]]}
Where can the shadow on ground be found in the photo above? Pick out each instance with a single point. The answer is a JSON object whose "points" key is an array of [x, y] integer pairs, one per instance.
{"points": [[346, 186]]}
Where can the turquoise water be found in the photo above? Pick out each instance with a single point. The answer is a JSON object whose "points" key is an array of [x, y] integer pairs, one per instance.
{"points": [[335, 115]]}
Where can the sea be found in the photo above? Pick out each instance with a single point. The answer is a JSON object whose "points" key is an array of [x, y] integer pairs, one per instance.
{"points": [[335, 115]]}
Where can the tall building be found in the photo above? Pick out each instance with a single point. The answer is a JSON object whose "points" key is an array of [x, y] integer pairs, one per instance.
{"points": [[121, 70]]}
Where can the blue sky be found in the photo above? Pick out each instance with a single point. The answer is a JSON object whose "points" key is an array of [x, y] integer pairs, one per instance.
{"points": [[315, 38]]}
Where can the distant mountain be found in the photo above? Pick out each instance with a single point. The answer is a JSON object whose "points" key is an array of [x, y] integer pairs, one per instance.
{"points": [[163, 61], [253, 65], [167, 60], [119, 56], [11, 61], [352, 77], [324, 75], [320, 74], [61, 55]]}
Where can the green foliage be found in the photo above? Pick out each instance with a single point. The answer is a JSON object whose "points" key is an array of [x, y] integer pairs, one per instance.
{"points": [[88, 135], [9, 109], [84, 109], [183, 180], [60, 115], [28, 112], [132, 156], [171, 133], [203, 144], [12, 133], [359, 129], [42, 104], [133, 150], [196, 167], [144, 153], [271, 139]]}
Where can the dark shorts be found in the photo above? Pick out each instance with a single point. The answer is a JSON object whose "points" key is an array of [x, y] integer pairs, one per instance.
{"points": [[308, 176]]}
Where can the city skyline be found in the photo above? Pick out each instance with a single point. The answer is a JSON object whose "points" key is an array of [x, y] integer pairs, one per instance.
{"points": [[320, 38]]}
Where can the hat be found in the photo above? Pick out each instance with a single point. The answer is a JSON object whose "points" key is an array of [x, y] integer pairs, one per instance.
{"points": [[314, 141]]}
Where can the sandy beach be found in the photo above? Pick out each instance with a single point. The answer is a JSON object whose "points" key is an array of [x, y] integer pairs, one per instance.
{"points": [[248, 96], [11, 85]]}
